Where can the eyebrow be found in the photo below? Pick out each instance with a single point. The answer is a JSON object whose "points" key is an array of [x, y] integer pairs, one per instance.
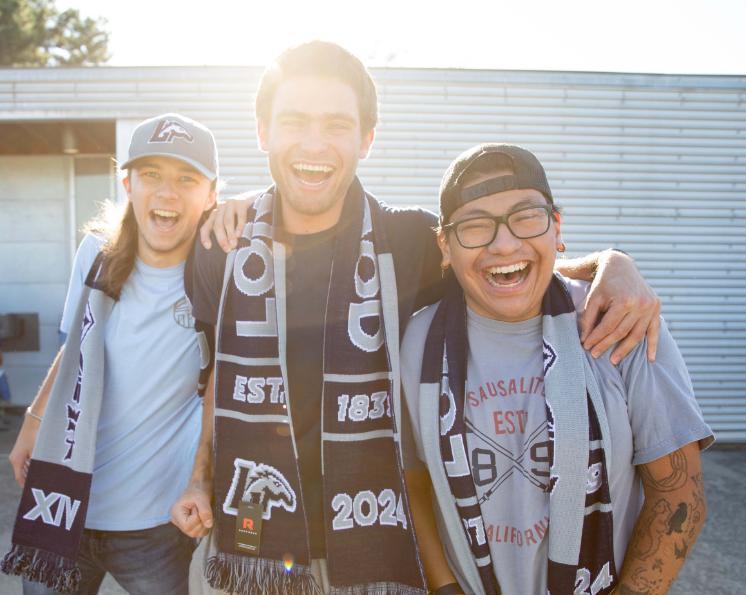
{"points": [[324, 115], [183, 167], [528, 202]]}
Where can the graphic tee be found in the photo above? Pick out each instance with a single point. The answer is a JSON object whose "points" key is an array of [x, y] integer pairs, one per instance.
{"points": [[650, 407], [508, 446]]}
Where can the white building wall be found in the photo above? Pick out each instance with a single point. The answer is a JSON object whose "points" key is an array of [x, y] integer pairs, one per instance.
{"points": [[649, 163]]}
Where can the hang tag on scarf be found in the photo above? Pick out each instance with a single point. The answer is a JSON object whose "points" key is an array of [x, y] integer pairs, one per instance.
{"points": [[248, 528]]}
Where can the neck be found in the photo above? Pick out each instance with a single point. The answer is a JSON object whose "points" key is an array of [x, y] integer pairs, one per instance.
{"points": [[298, 223], [162, 259]]}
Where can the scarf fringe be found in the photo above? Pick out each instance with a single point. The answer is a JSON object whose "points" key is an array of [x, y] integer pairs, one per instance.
{"points": [[378, 589], [33, 564], [258, 576]]}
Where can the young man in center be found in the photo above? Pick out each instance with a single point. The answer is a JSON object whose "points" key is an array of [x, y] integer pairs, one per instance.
{"points": [[309, 311]]}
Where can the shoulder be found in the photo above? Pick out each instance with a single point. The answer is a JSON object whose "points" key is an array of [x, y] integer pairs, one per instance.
{"points": [[413, 219], [418, 326], [578, 292], [89, 247]]}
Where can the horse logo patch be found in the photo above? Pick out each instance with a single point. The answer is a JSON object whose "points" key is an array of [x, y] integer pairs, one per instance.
{"points": [[254, 482], [169, 130]]}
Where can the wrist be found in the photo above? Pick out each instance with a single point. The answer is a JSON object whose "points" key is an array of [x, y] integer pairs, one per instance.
{"points": [[31, 415], [605, 257]]}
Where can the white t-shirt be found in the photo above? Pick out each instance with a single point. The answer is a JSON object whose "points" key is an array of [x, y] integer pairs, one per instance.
{"points": [[650, 407], [150, 415]]}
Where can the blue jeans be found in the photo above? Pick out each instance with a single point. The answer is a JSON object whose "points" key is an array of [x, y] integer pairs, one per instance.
{"points": [[143, 562]]}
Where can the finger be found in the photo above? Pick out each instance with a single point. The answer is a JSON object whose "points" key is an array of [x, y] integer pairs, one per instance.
{"points": [[205, 516], [628, 343], [591, 313], [219, 228], [241, 220], [616, 334], [653, 334], [605, 325], [206, 230], [229, 222], [186, 519]]}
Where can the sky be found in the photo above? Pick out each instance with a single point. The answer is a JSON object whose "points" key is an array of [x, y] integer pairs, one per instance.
{"points": [[652, 36]]}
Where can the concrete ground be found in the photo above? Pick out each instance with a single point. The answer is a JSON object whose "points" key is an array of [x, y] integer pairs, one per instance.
{"points": [[715, 566]]}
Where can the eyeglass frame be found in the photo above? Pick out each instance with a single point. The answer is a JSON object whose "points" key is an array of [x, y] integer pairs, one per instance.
{"points": [[502, 219]]}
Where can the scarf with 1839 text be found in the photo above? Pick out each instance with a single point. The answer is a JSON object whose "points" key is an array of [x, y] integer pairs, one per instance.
{"points": [[369, 536], [581, 555]]}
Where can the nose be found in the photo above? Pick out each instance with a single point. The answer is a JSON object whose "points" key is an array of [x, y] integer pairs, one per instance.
{"points": [[313, 138], [167, 188], [504, 242]]}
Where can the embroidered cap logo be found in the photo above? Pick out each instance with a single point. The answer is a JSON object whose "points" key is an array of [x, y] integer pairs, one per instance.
{"points": [[169, 130]]}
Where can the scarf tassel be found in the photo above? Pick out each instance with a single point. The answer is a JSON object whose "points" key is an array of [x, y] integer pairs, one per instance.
{"points": [[54, 571], [257, 576], [378, 589]]}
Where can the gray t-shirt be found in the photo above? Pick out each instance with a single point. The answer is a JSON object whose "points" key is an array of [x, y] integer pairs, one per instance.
{"points": [[150, 415], [650, 407]]}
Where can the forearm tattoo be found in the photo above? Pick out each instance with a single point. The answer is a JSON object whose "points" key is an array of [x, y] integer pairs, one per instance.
{"points": [[666, 529]]}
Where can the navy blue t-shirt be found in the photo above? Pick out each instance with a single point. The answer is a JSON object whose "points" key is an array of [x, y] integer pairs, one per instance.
{"points": [[417, 266]]}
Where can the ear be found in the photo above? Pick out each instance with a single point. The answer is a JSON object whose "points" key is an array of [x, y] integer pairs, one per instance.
{"points": [[557, 228], [127, 186], [262, 134], [211, 200], [445, 250], [367, 143]]}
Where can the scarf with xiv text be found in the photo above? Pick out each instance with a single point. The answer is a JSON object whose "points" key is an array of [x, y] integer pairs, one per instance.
{"points": [[51, 515]]}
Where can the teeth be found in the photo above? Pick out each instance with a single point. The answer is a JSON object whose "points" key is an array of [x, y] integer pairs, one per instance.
{"points": [[324, 169], [168, 214], [511, 268]]}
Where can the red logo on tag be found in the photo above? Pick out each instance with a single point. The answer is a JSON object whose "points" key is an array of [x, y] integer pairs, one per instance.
{"points": [[248, 524]]}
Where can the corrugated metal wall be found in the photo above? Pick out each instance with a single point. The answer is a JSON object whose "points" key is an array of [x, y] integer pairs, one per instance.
{"points": [[651, 164]]}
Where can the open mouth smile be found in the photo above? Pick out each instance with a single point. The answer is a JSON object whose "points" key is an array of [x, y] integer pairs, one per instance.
{"points": [[312, 174], [164, 219], [507, 276]]}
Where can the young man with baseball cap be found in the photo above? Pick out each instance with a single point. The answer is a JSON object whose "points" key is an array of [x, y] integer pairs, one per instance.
{"points": [[529, 442], [309, 311], [115, 424]]}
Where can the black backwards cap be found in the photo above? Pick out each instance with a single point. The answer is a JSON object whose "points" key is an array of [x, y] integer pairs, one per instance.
{"points": [[526, 170]]}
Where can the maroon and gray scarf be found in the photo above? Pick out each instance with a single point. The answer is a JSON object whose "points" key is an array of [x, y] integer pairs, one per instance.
{"points": [[369, 535], [581, 554]]}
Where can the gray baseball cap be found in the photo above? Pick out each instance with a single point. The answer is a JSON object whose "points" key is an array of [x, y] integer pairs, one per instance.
{"points": [[174, 135]]}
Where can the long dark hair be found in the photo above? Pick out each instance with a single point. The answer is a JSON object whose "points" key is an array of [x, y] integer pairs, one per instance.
{"points": [[117, 226]]}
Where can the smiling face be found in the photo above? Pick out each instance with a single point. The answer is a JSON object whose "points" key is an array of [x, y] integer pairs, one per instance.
{"points": [[314, 141], [506, 279], [168, 198]]}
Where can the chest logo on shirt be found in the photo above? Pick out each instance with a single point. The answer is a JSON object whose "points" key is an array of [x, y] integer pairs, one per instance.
{"points": [[183, 313], [493, 464], [254, 483]]}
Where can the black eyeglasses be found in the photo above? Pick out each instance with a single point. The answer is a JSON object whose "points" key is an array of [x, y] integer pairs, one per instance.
{"points": [[524, 223]]}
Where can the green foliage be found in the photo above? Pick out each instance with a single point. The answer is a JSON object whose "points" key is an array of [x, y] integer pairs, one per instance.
{"points": [[35, 33]]}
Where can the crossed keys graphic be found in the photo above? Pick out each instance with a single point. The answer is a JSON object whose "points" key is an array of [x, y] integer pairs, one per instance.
{"points": [[516, 461]]}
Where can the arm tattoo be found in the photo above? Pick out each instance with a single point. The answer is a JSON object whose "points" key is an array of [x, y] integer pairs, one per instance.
{"points": [[674, 481]]}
